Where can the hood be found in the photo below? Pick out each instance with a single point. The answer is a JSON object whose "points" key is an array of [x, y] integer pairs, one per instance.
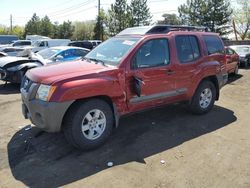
{"points": [[4, 61], [50, 74]]}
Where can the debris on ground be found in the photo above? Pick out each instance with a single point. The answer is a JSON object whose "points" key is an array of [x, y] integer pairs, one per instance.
{"points": [[110, 164]]}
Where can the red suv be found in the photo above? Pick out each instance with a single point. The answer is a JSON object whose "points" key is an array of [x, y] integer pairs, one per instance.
{"points": [[140, 68]]}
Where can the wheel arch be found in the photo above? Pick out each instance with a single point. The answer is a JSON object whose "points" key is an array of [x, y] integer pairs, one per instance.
{"points": [[105, 98], [214, 80]]}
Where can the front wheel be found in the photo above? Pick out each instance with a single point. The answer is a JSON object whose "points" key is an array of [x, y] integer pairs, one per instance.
{"points": [[204, 98], [88, 124]]}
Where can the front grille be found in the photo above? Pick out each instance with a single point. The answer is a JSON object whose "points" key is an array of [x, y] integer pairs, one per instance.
{"points": [[26, 83]]}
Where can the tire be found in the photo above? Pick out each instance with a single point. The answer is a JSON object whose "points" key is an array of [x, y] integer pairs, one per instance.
{"points": [[198, 104], [85, 131]]}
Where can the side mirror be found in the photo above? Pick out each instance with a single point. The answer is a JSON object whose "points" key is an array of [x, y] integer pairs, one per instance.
{"points": [[58, 58], [138, 85]]}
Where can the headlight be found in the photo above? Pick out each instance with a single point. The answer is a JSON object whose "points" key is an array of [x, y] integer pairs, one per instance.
{"points": [[44, 92]]}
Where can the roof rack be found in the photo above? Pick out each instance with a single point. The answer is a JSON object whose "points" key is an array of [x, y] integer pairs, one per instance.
{"points": [[160, 29]]}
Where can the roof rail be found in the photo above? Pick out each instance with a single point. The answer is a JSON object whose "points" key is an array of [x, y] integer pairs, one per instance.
{"points": [[160, 29]]}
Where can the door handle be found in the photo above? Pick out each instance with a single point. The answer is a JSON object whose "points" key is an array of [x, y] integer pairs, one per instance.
{"points": [[170, 72]]}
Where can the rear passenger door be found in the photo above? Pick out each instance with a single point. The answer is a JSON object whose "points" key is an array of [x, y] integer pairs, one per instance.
{"points": [[187, 58]]}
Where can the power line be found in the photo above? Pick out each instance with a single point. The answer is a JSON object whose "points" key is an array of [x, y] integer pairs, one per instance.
{"points": [[70, 8], [73, 13]]}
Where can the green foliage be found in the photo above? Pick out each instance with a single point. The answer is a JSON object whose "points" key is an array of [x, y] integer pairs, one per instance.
{"points": [[241, 17], [65, 30], [117, 19], [83, 30], [170, 19], [214, 14], [99, 30], [16, 30], [46, 27], [33, 26], [37, 26], [139, 13]]}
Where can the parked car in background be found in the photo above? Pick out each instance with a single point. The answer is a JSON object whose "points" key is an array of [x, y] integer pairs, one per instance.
{"points": [[95, 42], [19, 43], [11, 51], [35, 37], [244, 52], [12, 69], [15, 47], [2, 54], [47, 43], [140, 68], [7, 39], [232, 61], [83, 44]]}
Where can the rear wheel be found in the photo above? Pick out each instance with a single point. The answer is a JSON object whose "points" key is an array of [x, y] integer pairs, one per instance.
{"points": [[204, 98], [89, 124]]}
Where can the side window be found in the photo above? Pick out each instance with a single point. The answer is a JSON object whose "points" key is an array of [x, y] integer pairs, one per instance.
{"points": [[17, 44], [229, 51], [65, 54], [79, 52], [187, 48], [42, 44], [152, 53], [213, 44]]}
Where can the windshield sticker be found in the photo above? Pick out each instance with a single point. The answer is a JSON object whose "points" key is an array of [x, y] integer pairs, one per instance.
{"points": [[128, 42]]}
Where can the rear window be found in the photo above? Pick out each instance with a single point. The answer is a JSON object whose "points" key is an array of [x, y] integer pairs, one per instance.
{"points": [[213, 44]]}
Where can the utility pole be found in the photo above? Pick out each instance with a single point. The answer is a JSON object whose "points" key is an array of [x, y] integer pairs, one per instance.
{"points": [[235, 32], [99, 7], [98, 19], [11, 24]]}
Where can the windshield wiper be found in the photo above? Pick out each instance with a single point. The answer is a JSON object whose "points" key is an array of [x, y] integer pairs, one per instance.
{"points": [[87, 59], [98, 61]]}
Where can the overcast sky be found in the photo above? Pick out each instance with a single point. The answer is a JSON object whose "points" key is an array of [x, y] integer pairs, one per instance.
{"points": [[73, 10]]}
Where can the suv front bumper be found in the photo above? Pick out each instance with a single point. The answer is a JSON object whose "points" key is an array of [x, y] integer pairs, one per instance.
{"points": [[47, 116]]}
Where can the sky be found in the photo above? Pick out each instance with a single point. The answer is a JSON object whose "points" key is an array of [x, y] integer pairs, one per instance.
{"points": [[73, 10]]}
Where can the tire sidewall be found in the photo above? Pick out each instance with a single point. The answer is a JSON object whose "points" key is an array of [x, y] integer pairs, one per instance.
{"points": [[77, 134], [196, 99]]}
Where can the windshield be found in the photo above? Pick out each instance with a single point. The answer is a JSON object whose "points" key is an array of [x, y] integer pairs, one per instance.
{"points": [[113, 50], [242, 50], [48, 52]]}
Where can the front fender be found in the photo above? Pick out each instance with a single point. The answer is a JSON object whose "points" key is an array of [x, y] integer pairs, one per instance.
{"points": [[28, 65], [92, 87]]}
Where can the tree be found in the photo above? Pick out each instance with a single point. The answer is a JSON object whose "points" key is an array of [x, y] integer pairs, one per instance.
{"points": [[83, 30], [214, 14], [33, 26], [18, 31], [241, 17], [99, 30], [139, 13], [65, 30], [170, 19], [117, 18], [46, 27]]}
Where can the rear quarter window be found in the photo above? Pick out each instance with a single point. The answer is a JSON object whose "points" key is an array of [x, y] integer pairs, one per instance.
{"points": [[213, 44]]}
